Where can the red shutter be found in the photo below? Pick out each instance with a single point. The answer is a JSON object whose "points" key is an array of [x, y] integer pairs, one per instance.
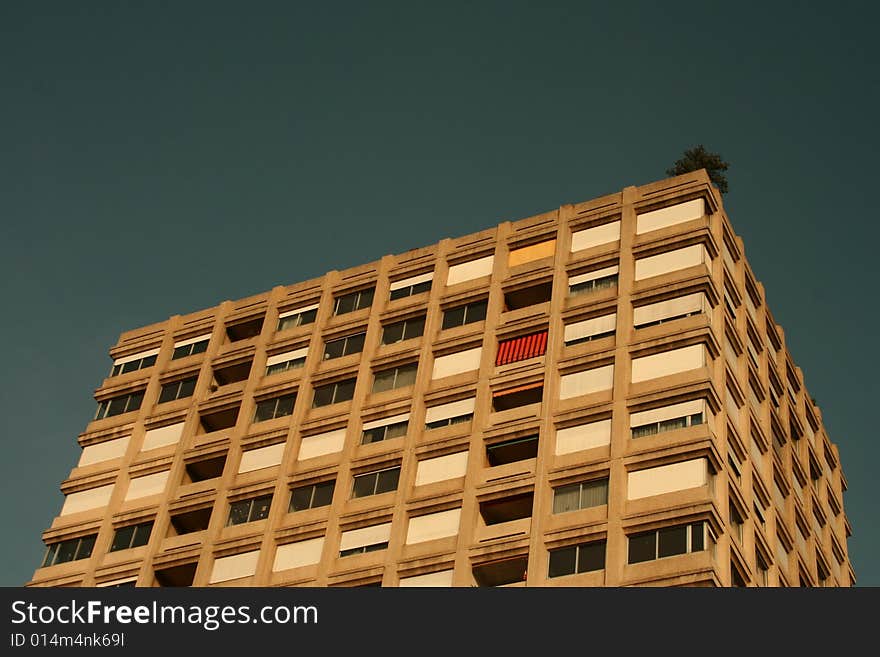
{"points": [[528, 346]]}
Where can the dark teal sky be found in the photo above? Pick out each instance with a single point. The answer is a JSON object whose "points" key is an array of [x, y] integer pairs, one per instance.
{"points": [[158, 159]]}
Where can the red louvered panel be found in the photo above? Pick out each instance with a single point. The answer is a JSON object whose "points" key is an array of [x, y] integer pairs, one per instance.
{"points": [[528, 346]]}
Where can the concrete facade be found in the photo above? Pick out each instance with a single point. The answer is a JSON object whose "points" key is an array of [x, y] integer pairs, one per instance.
{"points": [[643, 400]]}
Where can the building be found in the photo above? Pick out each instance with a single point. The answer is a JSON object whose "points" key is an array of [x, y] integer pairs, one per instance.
{"points": [[593, 396]]}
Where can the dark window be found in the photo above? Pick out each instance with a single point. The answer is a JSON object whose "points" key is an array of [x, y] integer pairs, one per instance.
{"points": [[269, 409], [205, 469], [386, 432], [189, 522], [131, 536], [70, 550], [666, 542], [363, 549], [458, 419], [577, 559], [353, 301], [119, 405], [352, 344], [510, 451], [531, 296], [333, 393], [292, 364], [410, 290], [405, 330], [177, 390], [500, 573], [250, 510], [189, 349], [244, 330], [594, 285], [505, 400], [467, 314], [297, 319], [234, 373], [133, 365], [374, 483], [583, 495], [312, 496], [396, 377], [667, 425]]}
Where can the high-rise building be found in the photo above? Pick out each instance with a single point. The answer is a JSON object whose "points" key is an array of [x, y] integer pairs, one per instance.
{"points": [[595, 396]]}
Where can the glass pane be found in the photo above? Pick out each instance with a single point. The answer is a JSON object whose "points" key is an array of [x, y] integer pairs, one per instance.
{"points": [[265, 410], [323, 494], [642, 547], [355, 344], [396, 430], [149, 361], [323, 396], [102, 409], [130, 366], [66, 551], [307, 317], [49, 559], [672, 425], [388, 480], [373, 436], [115, 370], [301, 498], [122, 539], [86, 544], [260, 508], [406, 376], [364, 485], [697, 542], [672, 541], [421, 287], [376, 546], [117, 406], [180, 352], [334, 349], [476, 312], [344, 390], [187, 388], [285, 406], [276, 368], [591, 556], [384, 381], [400, 293], [142, 534], [594, 493], [562, 562], [565, 498], [134, 401], [238, 512], [200, 347], [345, 304], [365, 299], [169, 391], [453, 317], [414, 328], [392, 333]]}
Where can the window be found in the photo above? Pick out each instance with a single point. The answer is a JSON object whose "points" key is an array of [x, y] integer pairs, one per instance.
{"points": [[190, 347], [590, 329], [353, 301], [250, 510], [299, 317], [507, 509], [177, 389], [312, 496], [668, 418], [581, 558], [351, 344], [501, 573], [244, 330], [131, 536], [517, 349], [669, 310], [405, 330], [374, 483], [119, 405], [761, 569], [525, 297], [289, 360], [363, 549], [583, 495], [411, 286], [397, 377], [667, 542], [204, 469], [517, 397], [466, 314], [190, 522], [665, 363], [670, 261], [269, 409], [333, 393], [511, 451], [70, 550], [134, 363], [736, 521], [386, 432], [595, 236], [669, 216], [601, 279]]}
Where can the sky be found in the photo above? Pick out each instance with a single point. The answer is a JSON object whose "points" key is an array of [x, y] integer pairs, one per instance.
{"points": [[159, 158]]}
